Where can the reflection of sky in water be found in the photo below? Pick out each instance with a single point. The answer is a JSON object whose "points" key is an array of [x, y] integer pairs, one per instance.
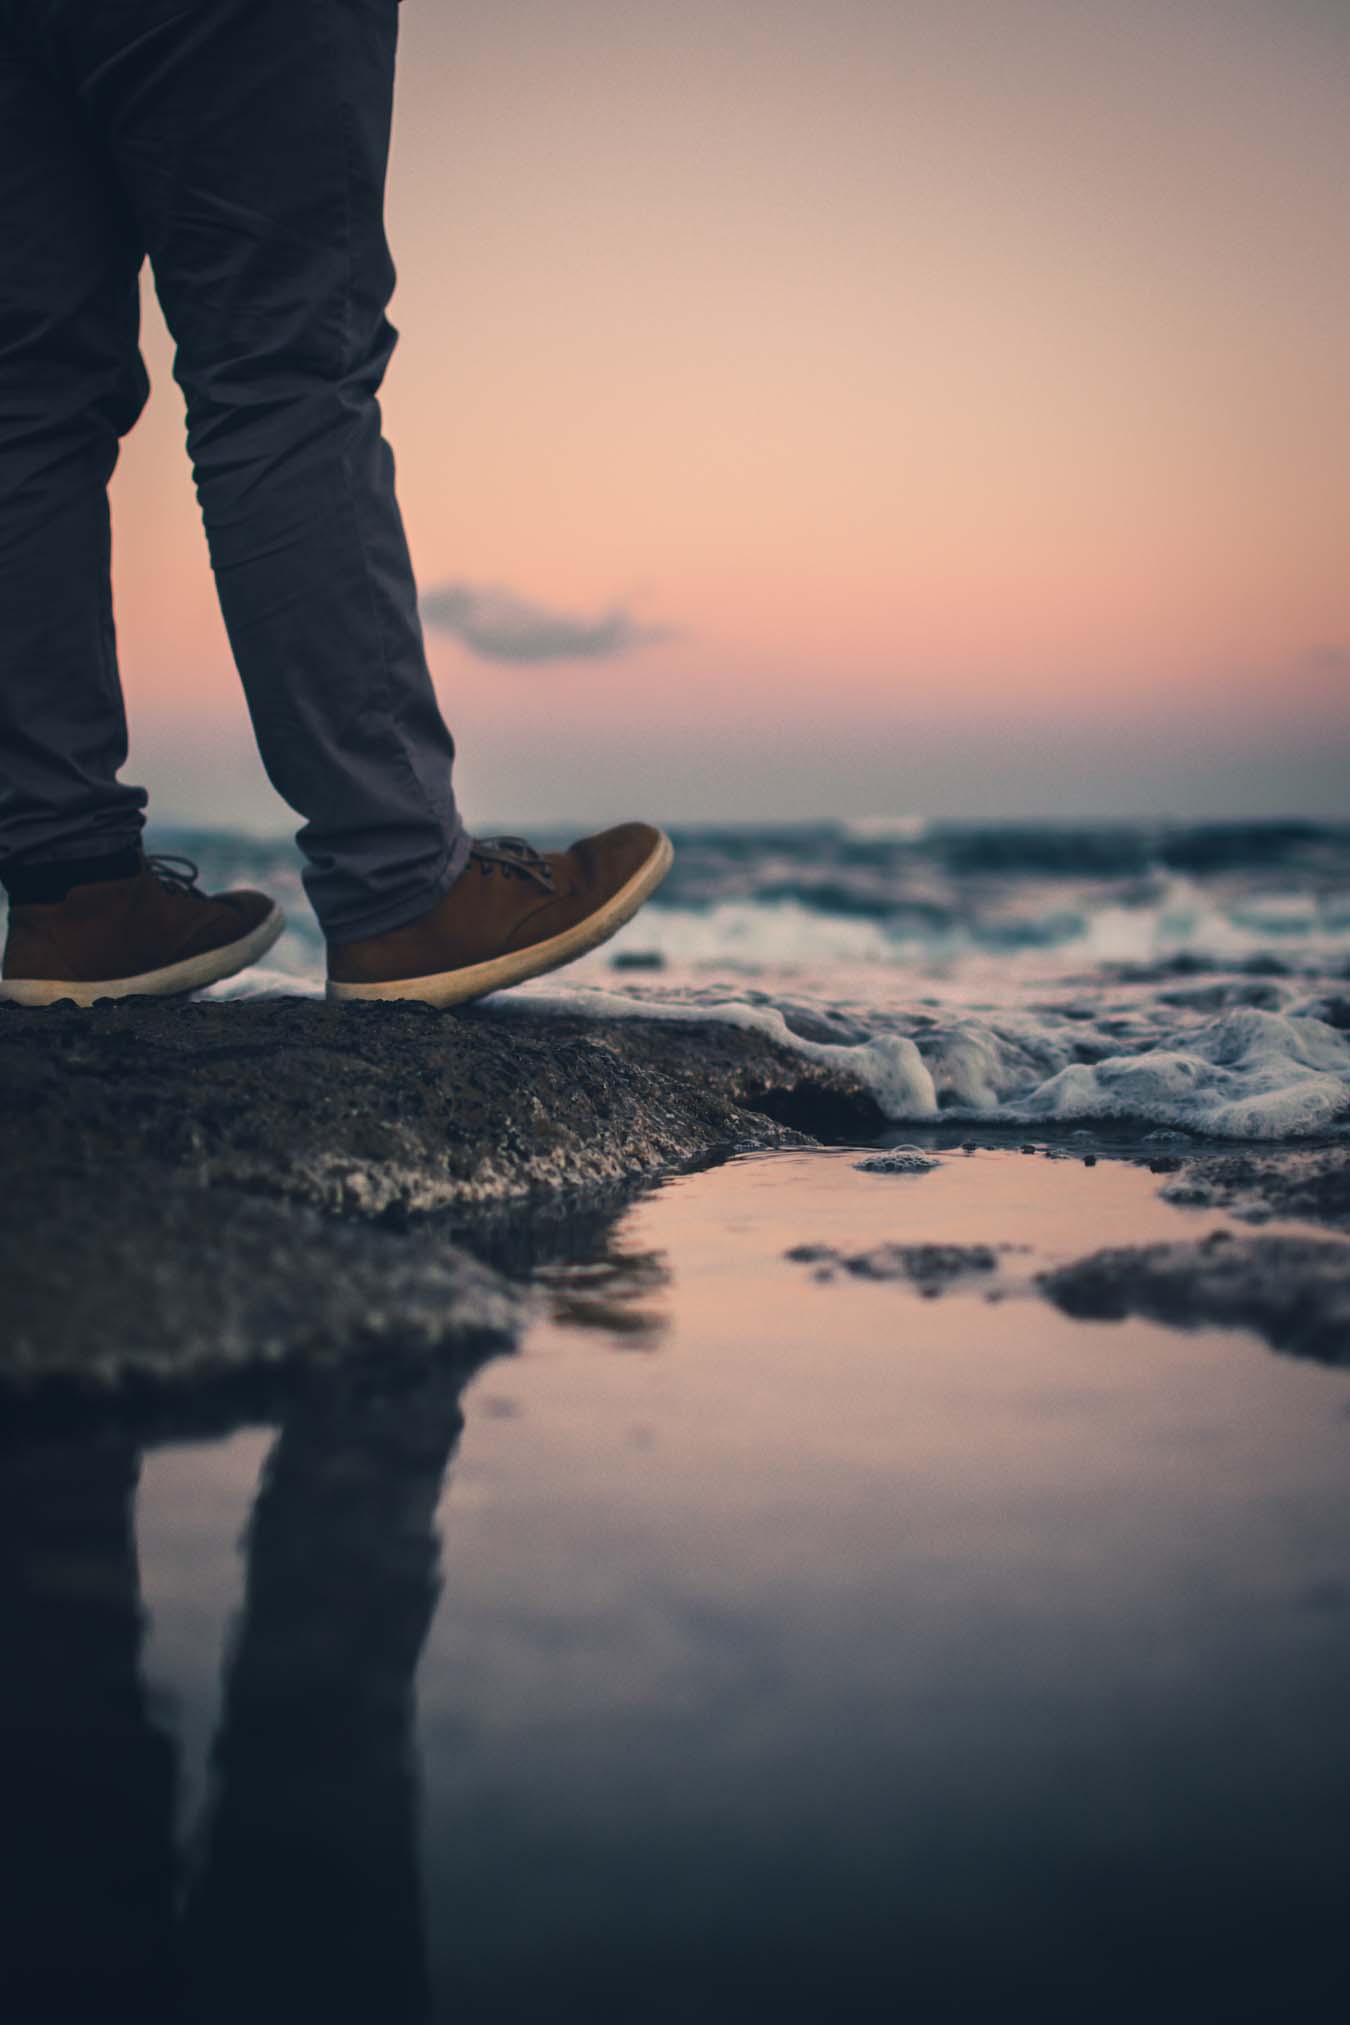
{"points": [[844, 1647]]}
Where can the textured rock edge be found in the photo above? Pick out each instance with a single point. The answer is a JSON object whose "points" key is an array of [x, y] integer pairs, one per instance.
{"points": [[207, 1196]]}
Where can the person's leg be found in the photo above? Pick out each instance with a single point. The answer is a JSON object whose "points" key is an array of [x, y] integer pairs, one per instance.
{"points": [[89, 917], [308, 1900], [252, 140], [87, 1865], [71, 384]]}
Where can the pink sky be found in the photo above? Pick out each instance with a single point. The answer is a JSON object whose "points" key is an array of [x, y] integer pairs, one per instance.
{"points": [[958, 390]]}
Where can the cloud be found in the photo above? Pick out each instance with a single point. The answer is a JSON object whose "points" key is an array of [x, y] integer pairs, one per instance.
{"points": [[501, 626]]}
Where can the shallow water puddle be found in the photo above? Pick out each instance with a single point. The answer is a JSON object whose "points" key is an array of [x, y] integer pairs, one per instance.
{"points": [[791, 1645]]}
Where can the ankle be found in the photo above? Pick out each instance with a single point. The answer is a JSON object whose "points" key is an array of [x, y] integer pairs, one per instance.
{"points": [[46, 885]]}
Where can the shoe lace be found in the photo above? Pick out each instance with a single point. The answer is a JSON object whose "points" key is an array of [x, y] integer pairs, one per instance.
{"points": [[514, 858], [179, 874]]}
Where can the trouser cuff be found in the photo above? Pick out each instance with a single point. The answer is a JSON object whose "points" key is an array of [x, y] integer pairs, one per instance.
{"points": [[397, 914]]}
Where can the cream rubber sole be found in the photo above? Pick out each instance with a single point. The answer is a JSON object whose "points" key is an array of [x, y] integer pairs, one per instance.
{"points": [[189, 975], [457, 987]]}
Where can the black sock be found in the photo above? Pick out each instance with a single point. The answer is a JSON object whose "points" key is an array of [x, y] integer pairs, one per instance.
{"points": [[41, 885]]}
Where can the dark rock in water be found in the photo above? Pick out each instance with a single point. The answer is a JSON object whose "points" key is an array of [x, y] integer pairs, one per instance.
{"points": [[1293, 1291], [1305, 1185], [637, 959], [194, 1184], [897, 1160], [931, 1268]]}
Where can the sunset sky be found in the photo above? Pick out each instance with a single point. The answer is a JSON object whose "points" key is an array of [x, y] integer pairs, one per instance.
{"points": [[811, 407]]}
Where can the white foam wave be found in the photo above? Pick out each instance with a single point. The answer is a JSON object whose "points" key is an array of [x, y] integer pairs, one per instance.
{"points": [[886, 829], [1248, 1074], [889, 1065], [1178, 920], [261, 983], [750, 935]]}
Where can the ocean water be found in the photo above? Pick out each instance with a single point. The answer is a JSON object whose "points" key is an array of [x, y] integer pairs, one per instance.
{"points": [[753, 1642], [1192, 979]]}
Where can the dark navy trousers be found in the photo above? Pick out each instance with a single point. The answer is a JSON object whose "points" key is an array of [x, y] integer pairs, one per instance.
{"points": [[241, 146]]}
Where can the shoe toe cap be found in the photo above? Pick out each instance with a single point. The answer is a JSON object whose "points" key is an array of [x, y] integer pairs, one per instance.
{"points": [[251, 908], [612, 857]]}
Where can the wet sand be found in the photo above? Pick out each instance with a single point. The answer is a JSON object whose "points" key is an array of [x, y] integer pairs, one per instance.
{"points": [[773, 1640]]}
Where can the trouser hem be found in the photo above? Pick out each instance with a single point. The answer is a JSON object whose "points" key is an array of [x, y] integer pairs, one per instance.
{"points": [[101, 846], [397, 914]]}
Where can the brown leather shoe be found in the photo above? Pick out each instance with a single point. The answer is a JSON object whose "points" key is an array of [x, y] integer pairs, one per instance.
{"points": [[152, 934], [513, 913]]}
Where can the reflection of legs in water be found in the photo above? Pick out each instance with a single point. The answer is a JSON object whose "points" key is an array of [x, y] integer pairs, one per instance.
{"points": [[309, 1900], [86, 1781]]}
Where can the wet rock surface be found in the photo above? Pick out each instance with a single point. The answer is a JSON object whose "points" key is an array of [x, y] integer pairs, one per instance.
{"points": [[931, 1268], [1295, 1292], [371, 1109], [208, 1196], [897, 1160], [1310, 1186], [201, 1189]]}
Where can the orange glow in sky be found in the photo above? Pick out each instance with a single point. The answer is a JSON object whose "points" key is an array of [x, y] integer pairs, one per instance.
{"points": [[958, 388]]}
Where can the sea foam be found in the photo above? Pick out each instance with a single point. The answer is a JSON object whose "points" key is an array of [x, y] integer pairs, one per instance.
{"points": [[1248, 1074]]}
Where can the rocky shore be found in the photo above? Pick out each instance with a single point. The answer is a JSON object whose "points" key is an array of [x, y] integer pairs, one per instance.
{"points": [[208, 1195], [213, 1201]]}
